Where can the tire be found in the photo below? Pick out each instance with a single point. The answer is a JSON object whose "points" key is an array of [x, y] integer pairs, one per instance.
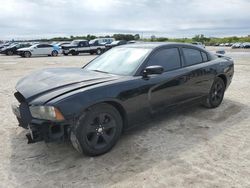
{"points": [[9, 52], [75, 53], [97, 130], [91, 53], [27, 54], [216, 94], [54, 53], [99, 51], [65, 54]]}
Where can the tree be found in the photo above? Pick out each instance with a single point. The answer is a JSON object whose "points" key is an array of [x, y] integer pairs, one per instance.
{"points": [[126, 37], [153, 37], [137, 37]]}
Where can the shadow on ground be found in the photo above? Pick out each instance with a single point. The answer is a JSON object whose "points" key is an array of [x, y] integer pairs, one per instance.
{"points": [[164, 137]]}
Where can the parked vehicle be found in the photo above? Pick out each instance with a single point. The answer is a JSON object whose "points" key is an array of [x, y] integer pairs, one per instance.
{"points": [[7, 44], [38, 49], [246, 45], [12, 49], [237, 45], [101, 41], [82, 46], [115, 43], [62, 43], [92, 105], [198, 44]]}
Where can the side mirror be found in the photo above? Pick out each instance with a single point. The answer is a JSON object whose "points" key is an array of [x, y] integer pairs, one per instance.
{"points": [[155, 69]]}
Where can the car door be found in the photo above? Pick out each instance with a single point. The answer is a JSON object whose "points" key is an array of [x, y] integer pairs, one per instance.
{"points": [[167, 88], [38, 50], [83, 46], [47, 49], [199, 72]]}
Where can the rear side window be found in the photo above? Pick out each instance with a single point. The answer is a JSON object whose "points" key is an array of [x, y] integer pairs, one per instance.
{"points": [[192, 56], [169, 59], [204, 56]]}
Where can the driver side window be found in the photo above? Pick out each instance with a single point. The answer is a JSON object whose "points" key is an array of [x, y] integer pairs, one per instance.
{"points": [[168, 58]]}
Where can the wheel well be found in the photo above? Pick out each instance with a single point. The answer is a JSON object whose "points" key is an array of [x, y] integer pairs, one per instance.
{"points": [[224, 78], [121, 110]]}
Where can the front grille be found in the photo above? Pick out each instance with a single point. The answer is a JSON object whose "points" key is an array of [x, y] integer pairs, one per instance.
{"points": [[19, 97]]}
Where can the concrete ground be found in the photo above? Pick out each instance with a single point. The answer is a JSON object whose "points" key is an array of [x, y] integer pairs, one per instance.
{"points": [[187, 147]]}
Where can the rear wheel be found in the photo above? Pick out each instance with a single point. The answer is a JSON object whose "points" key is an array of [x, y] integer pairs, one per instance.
{"points": [[27, 54], [75, 53], [54, 53], [9, 52], [97, 130], [216, 94], [98, 51]]}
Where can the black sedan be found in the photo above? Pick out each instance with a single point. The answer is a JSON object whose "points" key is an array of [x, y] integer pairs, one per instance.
{"points": [[12, 49], [93, 105]]}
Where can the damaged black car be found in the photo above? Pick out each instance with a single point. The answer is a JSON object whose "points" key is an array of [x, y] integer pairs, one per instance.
{"points": [[92, 105]]}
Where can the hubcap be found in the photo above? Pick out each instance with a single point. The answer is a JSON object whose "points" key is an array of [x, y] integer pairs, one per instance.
{"points": [[100, 132], [217, 93]]}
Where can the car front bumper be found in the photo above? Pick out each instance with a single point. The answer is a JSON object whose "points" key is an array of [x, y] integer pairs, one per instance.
{"points": [[38, 130]]}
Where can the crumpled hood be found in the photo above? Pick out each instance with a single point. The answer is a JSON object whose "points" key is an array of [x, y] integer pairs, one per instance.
{"points": [[59, 80]]}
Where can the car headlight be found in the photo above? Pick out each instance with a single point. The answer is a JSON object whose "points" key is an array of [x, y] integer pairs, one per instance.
{"points": [[46, 112]]}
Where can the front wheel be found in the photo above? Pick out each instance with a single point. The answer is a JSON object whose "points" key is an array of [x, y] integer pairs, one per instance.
{"points": [[216, 94], [97, 130]]}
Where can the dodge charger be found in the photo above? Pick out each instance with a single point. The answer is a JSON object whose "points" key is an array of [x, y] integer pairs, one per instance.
{"points": [[93, 104]]}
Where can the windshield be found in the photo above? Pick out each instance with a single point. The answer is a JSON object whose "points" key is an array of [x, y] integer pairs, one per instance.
{"points": [[34, 45], [120, 61], [92, 41], [74, 43]]}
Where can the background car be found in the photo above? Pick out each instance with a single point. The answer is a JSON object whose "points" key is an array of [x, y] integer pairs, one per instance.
{"points": [[38, 49], [237, 45], [101, 41], [12, 49], [115, 43], [198, 44], [246, 45], [82, 46]]}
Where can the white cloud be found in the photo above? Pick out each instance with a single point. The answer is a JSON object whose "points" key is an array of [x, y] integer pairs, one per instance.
{"points": [[179, 18]]}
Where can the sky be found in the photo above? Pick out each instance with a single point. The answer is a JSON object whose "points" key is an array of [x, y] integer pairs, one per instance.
{"points": [[29, 19]]}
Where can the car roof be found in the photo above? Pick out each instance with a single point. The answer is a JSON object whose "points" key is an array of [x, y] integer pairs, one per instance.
{"points": [[153, 45]]}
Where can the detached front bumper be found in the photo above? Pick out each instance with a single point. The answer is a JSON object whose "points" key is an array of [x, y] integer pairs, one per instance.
{"points": [[39, 130]]}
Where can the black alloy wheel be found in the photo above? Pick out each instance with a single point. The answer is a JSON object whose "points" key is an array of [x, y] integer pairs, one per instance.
{"points": [[101, 131], [216, 94], [97, 130]]}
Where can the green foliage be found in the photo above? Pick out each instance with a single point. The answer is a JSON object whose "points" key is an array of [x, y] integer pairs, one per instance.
{"points": [[197, 38], [126, 37]]}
